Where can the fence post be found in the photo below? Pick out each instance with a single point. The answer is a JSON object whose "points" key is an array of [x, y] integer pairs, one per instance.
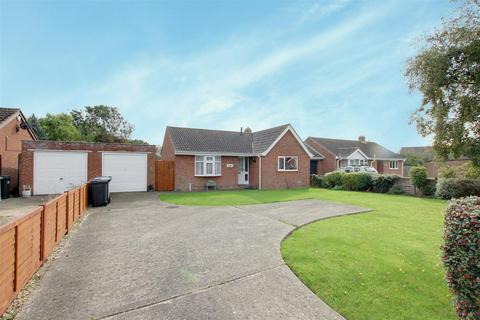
{"points": [[15, 268], [42, 235]]}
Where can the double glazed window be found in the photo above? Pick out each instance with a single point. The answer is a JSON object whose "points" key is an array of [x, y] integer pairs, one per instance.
{"points": [[394, 164], [208, 165], [288, 163]]}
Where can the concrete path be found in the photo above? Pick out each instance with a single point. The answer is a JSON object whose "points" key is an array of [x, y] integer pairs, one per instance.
{"points": [[140, 258]]}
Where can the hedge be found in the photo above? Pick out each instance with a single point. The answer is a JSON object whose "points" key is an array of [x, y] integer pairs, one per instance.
{"points": [[457, 188], [357, 181], [332, 180], [316, 181], [382, 183], [461, 255]]}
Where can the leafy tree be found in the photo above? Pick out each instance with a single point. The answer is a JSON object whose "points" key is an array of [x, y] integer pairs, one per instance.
{"points": [[36, 127], [419, 177], [102, 124], [59, 127], [447, 73], [412, 159]]}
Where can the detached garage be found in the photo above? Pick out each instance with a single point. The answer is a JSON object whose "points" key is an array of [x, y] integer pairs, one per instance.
{"points": [[52, 167]]}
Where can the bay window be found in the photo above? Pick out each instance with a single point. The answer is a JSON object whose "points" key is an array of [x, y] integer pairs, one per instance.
{"points": [[207, 166], [288, 163]]}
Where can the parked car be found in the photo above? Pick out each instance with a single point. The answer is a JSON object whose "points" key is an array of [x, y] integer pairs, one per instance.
{"points": [[360, 169]]}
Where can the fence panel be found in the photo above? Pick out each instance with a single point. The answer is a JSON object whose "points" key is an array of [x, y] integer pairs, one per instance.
{"points": [[7, 265], [164, 175]]}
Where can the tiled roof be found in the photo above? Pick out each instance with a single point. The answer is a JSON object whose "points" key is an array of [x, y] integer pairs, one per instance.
{"points": [[190, 140], [316, 154], [344, 148], [5, 113], [427, 153]]}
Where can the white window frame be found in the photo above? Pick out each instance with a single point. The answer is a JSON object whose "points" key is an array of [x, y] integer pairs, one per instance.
{"points": [[284, 167], [395, 166], [215, 160]]}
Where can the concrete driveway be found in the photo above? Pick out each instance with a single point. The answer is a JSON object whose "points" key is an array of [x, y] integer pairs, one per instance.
{"points": [[140, 258]]}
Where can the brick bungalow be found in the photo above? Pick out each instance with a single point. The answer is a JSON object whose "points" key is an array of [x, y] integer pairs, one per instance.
{"points": [[13, 130], [340, 153], [269, 159]]}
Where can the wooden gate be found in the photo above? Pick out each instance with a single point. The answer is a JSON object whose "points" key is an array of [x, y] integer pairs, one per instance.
{"points": [[164, 175]]}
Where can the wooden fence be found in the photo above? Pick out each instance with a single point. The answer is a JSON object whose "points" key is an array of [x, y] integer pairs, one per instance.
{"points": [[164, 175], [26, 242]]}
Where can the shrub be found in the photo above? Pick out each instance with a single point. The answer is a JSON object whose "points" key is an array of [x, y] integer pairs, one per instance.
{"points": [[467, 170], [447, 172], [339, 187], [396, 190], [383, 183], [357, 181], [419, 177], [461, 255], [316, 181], [457, 188], [473, 172], [332, 180], [429, 190]]}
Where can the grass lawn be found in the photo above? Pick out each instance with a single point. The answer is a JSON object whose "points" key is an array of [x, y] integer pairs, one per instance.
{"points": [[379, 265]]}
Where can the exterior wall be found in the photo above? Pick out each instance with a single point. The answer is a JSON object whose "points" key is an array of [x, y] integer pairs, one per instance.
{"points": [[10, 148], [253, 171], [329, 163], [385, 168], [274, 179], [433, 167], [94, 156], [168, 152]]}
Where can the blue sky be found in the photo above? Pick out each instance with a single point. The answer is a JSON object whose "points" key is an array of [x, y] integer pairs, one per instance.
{"points": [[331, 68]]}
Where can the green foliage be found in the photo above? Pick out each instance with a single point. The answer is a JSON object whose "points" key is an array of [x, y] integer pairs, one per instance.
{"points": [[36, 127], [461, 255], [333, 179], [419, 177], [383, 183], [396, 190], [447, 172], [467, 170], [316, 181], [457, 188], [356, 181], [429, 190], [413, 159], [447, 73], [59, 127]]}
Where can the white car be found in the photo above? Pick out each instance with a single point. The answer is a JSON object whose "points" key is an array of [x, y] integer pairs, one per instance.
{"points": [[360, 169]]}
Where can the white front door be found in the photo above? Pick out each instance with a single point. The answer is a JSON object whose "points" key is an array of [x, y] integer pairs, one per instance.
{"points": [[58, 171], [243, 170], [127, 169]]}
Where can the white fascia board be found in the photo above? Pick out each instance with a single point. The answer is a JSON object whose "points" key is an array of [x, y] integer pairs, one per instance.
{"points": [[289, 128]]}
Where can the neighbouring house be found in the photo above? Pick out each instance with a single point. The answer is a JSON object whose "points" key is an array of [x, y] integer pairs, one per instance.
{"points": [[338, 153], [430, 161], [52, 167], [269, 159], [13, 130]]}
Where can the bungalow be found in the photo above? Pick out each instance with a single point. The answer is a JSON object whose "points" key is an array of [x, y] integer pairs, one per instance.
{"points": [[339, 153], [269, 159]]}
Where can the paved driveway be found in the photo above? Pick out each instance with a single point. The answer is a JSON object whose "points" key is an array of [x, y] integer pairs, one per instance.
{"points": [[140, 258]]}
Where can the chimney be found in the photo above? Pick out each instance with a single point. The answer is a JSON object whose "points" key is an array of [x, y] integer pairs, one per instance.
{"points": [[248, 130], [241, 130], [362, 139]]}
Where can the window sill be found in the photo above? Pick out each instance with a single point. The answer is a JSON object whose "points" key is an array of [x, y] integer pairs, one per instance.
{"points": [[287, 170], [208, 175]]}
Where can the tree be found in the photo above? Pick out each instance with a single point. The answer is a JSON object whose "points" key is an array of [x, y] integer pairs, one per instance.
{"points": [[36, 127], [59, 127], [418, 176], [447, 73], [102, 124], [412, 159]]}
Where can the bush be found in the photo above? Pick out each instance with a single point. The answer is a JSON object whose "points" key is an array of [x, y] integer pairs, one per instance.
{"points": [[382, 183], [457, 188], [419, 177], [447, 172], [429, 190], [316, 181], [466, 170], [357, 181], [339, 187], [332, 180], [461, 255], [396, 190]]}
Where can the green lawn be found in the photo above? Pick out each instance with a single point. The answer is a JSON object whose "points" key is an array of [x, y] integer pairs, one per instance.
{"points": [[379, 265]]}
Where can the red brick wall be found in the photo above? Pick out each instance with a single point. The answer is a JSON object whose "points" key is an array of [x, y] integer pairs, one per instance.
{"points": [[253, 171], [94, 156], [385, 168], [168, 152], [10, 148], [274, 179], [329, 163]]}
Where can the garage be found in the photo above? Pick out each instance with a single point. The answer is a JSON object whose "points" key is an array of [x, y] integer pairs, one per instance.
{"points": [[127, 169], [58, 171]]}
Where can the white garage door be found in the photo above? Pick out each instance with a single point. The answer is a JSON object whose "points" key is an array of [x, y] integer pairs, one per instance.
{"points": [[128, 171], [58, 171]]}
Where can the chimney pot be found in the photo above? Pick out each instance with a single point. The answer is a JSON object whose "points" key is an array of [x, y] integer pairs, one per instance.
{"points": [[362, 139]]}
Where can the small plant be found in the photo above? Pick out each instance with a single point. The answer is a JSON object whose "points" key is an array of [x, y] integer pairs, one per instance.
{"points": [[457, 188], [419, 177], [396, 190], [461, 255]]}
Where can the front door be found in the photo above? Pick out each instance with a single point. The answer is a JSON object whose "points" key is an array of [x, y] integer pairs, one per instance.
{"points": [[243, 170]]}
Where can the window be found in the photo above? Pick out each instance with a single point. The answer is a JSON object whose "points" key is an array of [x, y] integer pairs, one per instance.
{"points": [[394, 164], [287, 163], [207, 166]]}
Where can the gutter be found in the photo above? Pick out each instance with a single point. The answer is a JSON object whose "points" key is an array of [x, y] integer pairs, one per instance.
{"points": [[259, 172]]}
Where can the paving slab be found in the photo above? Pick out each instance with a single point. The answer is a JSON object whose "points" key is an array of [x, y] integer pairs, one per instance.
{"points": [[140, 258]]}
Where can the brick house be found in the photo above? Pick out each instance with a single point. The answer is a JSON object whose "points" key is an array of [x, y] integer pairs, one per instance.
{"points": [[430, 161], [270, 159], [13, 130], [340, 153], [52, 167]]}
